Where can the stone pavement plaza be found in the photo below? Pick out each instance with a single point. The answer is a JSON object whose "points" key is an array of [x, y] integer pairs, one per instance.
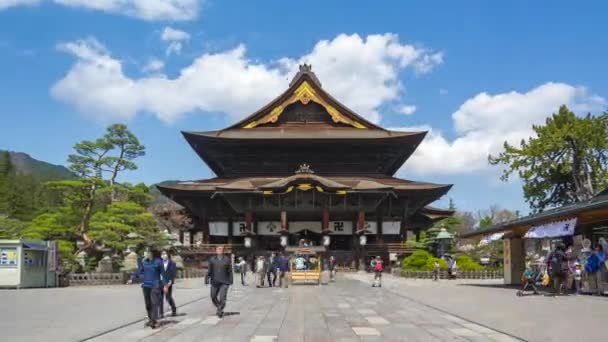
{"points": [[348, 310]]}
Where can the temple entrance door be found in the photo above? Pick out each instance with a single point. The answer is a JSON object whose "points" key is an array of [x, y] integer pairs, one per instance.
{"points": [[307, 237]]}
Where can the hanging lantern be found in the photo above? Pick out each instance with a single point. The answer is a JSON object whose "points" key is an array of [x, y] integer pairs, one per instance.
{"points": [[363, 240], [326, 240], [284, 240], [247, 241]]}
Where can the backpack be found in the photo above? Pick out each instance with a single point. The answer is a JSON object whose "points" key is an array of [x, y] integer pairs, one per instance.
{"points": [[378, 267], [557, 264]]}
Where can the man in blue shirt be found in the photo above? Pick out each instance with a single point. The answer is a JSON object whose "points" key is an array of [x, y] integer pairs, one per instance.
{"points": [[151, 286]]}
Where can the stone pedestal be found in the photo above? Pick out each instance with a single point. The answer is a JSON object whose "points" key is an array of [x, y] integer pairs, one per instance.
{"points": [[514, 260], [129, 262], [105, 265], [81, 259]]}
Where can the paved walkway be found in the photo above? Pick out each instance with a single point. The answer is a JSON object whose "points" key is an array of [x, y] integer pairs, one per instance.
{"points": [[348, 310], [488, 302]]}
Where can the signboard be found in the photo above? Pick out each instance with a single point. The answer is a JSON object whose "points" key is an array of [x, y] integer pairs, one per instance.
{"points": [[552, 229], [269, 228], [8, 257], [341, 227], [238, 228], [391, 227], [371, 227], [218, 228], [187, 239], [313, 226]]}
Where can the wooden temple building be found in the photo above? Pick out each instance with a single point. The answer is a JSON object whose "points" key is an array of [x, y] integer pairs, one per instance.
{"points": [[305, 169]]}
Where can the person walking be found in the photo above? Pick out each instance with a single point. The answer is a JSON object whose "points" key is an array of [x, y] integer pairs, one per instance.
{"points": [[436, 271], [378, 268], [332, 268], [558, 264], [283, 270], [168, 274], [150, 268], [271, 270], [260, 271], [220, 278], [242, 267]]}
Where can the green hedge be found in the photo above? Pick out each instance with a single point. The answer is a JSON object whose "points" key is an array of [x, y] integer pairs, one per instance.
{"points": [[422, 260]]}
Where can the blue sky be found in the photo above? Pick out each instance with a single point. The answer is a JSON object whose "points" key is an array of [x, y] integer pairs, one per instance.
{"points": [[477, 73]]}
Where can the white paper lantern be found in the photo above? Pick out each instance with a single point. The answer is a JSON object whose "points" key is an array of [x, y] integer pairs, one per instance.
{"points": [[362, 240], [247, 241], [326, 240], [283, 240]]}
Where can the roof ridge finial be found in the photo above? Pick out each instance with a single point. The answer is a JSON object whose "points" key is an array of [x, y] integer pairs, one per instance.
{"points": [[304, 168], [305, 69]]}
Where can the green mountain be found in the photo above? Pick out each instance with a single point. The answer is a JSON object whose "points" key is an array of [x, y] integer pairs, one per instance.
{"points": [[39, 170]]}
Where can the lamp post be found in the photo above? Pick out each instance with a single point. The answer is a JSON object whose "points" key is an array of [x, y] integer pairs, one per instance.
{"points": [[443, 239]]}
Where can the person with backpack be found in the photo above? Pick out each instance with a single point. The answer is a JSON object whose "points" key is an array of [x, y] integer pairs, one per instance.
{"points": [[378, 268], [593, 268], [557, 263]]}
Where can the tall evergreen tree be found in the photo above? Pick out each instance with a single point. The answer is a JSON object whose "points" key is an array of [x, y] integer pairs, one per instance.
{"points": [[565, 162], [6, 172]]}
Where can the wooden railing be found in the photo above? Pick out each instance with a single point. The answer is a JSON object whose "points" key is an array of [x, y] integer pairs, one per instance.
{"points": [[399, 248], [208, 248]]}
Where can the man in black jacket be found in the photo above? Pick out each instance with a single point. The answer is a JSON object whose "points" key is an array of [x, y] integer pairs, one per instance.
{"points": [[168, 274], [220, 278]]}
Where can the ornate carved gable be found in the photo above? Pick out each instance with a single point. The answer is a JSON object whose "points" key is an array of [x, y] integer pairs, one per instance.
{"points": [[305, 95]]}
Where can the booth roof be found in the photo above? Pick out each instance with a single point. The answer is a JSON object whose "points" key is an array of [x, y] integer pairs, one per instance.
{"points": [[597, 202]]}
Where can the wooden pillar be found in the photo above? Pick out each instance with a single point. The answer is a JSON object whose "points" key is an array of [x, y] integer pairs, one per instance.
{"points": [[404, 230], [230, 229], [360, 220], [379, 232], [514, 256], [248, 220], [418, 235], [325, 223], [283, 220], [361, 230]]}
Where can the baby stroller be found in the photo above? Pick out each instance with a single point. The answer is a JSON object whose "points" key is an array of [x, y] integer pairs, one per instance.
{"points": [[530, 279]]}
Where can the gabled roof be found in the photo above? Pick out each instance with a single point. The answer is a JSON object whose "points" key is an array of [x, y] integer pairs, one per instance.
{"points": [[357, 183], [305, 87]]}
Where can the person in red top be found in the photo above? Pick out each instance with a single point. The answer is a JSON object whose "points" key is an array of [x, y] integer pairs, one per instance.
{"points": [[378, 268]]}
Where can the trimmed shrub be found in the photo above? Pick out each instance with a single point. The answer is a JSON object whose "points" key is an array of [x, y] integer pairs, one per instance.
{"points": [[422, 260]]}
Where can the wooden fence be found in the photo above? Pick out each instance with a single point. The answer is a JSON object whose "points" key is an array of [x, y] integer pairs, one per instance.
{"points": [[484, 274]]}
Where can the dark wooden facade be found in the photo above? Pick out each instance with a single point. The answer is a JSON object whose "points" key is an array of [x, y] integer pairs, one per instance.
{"points": [[307, 166]]}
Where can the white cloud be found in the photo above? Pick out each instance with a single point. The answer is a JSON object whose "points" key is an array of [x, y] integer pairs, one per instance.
{"points": [[175, 38], [361, 72], [407, 109], [11, 3], [485, 121], [154, 65], [142, 9]]}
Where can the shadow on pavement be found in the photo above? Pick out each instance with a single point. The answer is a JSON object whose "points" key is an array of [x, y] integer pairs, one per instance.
{"points": [[494, 286], [231, 313]]}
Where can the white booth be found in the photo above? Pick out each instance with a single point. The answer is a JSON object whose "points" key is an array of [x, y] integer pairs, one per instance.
{"points": [[28, 263]]}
